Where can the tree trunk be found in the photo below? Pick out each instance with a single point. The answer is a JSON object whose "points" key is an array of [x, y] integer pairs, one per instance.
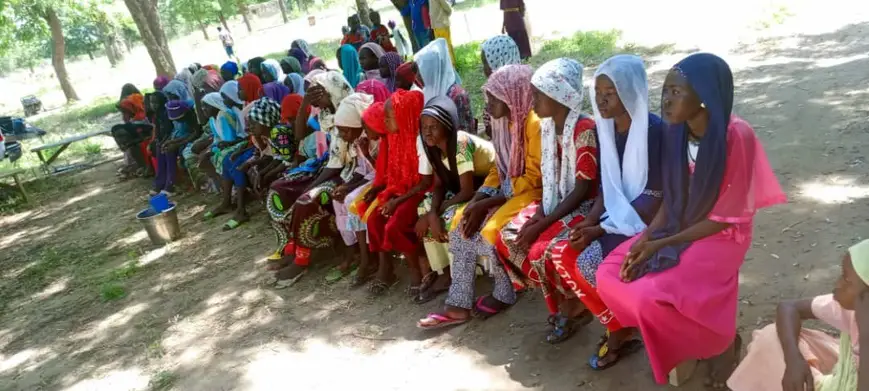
{"points": [[245, 14], [57, 54], [204, 30], [111, 42], [223, 22], [362, 9], [283, 6], [144, 13]]}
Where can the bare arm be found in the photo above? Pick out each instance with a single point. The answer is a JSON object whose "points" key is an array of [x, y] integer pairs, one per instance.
{"points": [[423, 185], [569, 204], [466, 192]]}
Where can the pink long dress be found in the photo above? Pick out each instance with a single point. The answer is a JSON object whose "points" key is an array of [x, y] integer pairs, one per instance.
{"points": [[689, 311]]}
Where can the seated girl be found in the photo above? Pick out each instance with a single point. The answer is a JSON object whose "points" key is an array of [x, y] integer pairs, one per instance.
{"points": [[348, 61], [326, 92], [630, 153], [369, 58], [389, 64], [785, 356], [167, 161], [277, 149], [460, 162], [677, 282], [396, 193], [133, 131], [185, 129], [513, 183], [438, 78], [539, 233]]}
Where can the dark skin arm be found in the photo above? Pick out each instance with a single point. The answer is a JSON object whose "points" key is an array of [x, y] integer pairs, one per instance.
{"points": [[589, 229], [325, 175], [789, 321], [477, 210], [342, 190], [641, 253], [300, 125], [439, 206], [534, 227], [227, 144], [423, 185]]}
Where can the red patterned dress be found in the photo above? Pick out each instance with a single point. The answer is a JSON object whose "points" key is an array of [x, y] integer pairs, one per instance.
{"points": [[525, 265]]}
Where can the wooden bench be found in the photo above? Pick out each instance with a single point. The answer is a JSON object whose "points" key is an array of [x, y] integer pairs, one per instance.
{"points": [[15, 175], [63, 144]]}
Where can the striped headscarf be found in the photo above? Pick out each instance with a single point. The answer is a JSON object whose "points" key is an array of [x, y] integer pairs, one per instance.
{"points": [[266, 112], [391, 61]]}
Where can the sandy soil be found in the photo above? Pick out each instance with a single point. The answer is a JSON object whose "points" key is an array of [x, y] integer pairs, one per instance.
{"points": [[200, 316]]}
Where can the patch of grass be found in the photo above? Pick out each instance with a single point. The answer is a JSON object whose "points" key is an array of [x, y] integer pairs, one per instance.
{"points": [[112, 291], [162, 380], [471, 4], [325, 50]]}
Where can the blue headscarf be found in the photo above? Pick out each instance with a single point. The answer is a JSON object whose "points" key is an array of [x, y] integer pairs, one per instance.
{"points": [[177, 88], [296, 84], [349, 58], [230, 67], [690, 201]]}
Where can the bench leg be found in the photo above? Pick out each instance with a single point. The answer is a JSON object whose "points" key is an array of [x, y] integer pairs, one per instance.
{"points": [[21, 188], [56, 154]]}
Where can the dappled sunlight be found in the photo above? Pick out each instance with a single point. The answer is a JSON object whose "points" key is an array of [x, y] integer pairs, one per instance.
{"points": [[121, 379], [834, 190], [55, 287], [152, 256], [838, 61], [97, 331], [78, 198], [31, 355], [130, 239]]}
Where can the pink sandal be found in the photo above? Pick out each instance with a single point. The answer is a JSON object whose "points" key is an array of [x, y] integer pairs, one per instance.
{"points": [[442, 321]]}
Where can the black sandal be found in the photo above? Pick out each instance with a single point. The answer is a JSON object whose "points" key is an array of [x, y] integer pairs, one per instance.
{"points": [[378, 288], [625, 349], [563, 327]]}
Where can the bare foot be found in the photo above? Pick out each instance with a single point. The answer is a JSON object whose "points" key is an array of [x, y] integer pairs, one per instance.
{"points": [[723, 365]]}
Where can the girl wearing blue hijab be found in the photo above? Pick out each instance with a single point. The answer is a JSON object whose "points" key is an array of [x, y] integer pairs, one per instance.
{"points": [[348, 60]]}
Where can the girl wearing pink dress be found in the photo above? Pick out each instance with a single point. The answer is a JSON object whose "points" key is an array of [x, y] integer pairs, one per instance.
{"points": [[677, 282]]}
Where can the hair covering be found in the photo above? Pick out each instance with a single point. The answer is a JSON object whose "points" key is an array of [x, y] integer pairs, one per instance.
{"points": [[313, 73], [350, 64], [160, 82], [214, 99], [273, 68], [511, 84], [444, 110], [177, 108], [435, 68], [375, 88], [290, 107], [302, 45], [207, 80], [374, 118], [276, 91], [127, 90], [407, 72], [349, 113], [134, 104], [623, 180], [230, 67], [265, 111], [375, 48], [251, 85], [230, 90], [292, 65], [561, 80], [177, 88], [500, 50], [338, 89], [295, 83], [391, 61], [254, 65], [185, 76], [688, 202], [860, 259], [316, 63], [403, 161]]}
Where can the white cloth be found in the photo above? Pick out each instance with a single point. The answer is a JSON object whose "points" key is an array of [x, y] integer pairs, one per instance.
{"points": [[425, 167], [349, 113], [624, 181], [561, 80], [435, 69]]}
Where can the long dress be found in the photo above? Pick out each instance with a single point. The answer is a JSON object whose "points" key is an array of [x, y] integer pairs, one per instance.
{"points": [[521, 191], [349, 223], [689, 311], [525, 265], [579, 281], [514, 24], [473, 155]]}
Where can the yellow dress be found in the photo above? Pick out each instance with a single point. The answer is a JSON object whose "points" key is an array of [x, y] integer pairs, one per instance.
{"points": [[526, 188]]}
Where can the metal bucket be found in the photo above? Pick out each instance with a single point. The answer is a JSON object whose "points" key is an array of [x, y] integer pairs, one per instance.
{"points": [[163, 227]]}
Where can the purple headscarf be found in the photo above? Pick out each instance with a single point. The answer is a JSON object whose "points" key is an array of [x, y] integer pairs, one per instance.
{"points": [[275, 91], [160, 82], [392, 61], [177, 108], [300, 55]]}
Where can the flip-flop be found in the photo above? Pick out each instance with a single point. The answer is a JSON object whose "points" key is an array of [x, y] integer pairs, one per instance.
{"points": [[276, 256], [231, 225], [483, 311], [284, 284], [621, 352], [210, 215], [378, 288], [564, 327], [443, 321], [335, 274]]}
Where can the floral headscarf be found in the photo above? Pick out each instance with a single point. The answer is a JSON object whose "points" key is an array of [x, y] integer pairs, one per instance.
{"points": [[338, 89], [392, 61], [511, 84], [500, 50], [561, 80], [375, 88]]}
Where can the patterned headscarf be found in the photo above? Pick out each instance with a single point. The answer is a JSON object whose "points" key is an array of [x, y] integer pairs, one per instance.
{"points": [[406, 72], [292, 64], [207, 80], [177, 88], [511, 84], [375, 88], [392, 61], [561, 80], [295, 83], [349, 113], [403, 172], [265, 112], [338, 89], [444, 110], [214, 99], [230, 90], [275, 91], [436, 69], [500, 50], [349, 59], [252, 87], [160, 82], [290, 107]]}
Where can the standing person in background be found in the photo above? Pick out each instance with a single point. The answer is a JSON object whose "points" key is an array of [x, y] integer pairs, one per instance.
{"points": [[440, 11], [380, 34], [514, 25], [421, 23], [403, 6], [404, 48], [226, 40]]}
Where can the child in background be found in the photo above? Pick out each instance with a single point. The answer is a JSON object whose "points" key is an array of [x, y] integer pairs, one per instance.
{"points": [[380, 34], [402, 44]]}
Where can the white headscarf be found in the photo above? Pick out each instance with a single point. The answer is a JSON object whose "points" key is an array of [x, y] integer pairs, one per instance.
{"points": [[273, 67], [624, 181], [230, 90], [435, 69], [561, 80], [349, 113]]}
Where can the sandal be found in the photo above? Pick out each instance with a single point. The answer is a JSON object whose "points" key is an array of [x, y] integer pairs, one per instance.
{"points": [[427, 280], [335, 274], [626, 348], [232, 224], [484, 311], [412, 291], [439, 321], [359, 279], [378, 288], [563, 327], [284, 284]]}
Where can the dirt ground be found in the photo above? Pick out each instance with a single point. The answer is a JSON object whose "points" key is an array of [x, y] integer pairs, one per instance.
{"points": [[87, 303]]}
